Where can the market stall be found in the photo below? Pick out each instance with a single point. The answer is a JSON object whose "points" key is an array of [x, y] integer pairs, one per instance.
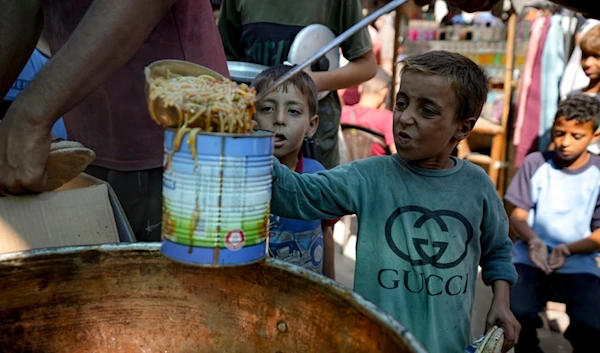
{"points": [[503, 46]]}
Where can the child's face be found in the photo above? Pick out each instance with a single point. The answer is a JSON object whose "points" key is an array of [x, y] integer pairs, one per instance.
{"points": [[286, 113], [425, 130], [571, 138], [590, 63]]}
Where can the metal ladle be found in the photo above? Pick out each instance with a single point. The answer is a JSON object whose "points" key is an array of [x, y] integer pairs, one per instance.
{"points": [[171, 116], [334, 43]]}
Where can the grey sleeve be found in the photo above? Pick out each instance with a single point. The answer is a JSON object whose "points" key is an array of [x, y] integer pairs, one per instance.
{"points": [[323, 195], [496, 259], [519, 190]]}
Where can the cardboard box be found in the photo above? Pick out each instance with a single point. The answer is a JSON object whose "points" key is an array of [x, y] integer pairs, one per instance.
{"points": [[85, 211]]}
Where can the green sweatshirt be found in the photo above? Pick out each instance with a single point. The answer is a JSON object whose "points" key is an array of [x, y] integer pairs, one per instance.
{"points": [[421, 235]]}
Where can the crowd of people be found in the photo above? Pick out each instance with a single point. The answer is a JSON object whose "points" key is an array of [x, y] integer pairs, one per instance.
{"points": [[427, 220]]}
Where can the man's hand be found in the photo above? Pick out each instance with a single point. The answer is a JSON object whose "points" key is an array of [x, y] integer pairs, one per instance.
{"points": [[501, 316], [538, 254], [559, 256], [354, 73], [24, 149]]}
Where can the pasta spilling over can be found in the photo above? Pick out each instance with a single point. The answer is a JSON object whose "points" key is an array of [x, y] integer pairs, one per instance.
{"points": [[216, 197]]}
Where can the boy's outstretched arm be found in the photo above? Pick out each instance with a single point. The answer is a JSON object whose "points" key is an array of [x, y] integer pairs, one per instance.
{"points": [[354, 73], [323, 195]]}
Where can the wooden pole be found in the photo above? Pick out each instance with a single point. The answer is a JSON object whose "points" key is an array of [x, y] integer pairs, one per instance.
{"points": [[499, 143], [397, 27]]}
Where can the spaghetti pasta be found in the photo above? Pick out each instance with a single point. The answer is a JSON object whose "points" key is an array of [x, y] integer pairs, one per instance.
{"points": [[205, 102]]}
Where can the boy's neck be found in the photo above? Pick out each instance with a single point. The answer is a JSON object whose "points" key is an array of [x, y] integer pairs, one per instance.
{"points": [[593, 87], [290, 160], [435, 164], [582, 160]]}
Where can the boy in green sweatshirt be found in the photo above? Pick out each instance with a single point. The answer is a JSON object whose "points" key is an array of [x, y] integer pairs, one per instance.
{"points": [[426, 219]]}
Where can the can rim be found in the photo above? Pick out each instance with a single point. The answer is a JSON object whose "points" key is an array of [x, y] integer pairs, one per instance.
{"points": [[259, 133]]}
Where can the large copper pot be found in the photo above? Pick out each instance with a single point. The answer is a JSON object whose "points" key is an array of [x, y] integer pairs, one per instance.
{"points": [[129, 298]]}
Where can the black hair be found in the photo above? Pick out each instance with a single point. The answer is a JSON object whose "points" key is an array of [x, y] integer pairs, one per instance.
{"points": [[468, 81], [580, 107], [301, 81]]}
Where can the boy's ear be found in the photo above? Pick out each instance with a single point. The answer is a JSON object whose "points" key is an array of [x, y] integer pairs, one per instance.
{"points": [[313, 124], [596, 136], [464, 128]]}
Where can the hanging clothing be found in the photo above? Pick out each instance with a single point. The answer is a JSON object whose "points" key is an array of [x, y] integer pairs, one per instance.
{"points": [[537, 30], [531, 107], [553, 64]]}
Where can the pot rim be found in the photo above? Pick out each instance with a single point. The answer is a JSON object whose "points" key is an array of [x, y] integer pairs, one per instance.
{"points": [[355, 300]]}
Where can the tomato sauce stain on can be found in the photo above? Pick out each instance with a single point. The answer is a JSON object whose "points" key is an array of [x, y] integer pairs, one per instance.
{"points": [[216, 206]]}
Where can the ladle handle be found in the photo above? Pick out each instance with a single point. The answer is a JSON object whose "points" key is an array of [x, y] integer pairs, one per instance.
{"points": [[334, 43]]}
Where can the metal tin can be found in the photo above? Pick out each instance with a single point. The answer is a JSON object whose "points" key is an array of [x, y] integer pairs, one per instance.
{"points": [[216, 206]]}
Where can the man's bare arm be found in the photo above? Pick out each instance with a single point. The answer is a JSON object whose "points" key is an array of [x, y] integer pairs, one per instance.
{"points": [[20, 27], [106, 38], [354, 73]]}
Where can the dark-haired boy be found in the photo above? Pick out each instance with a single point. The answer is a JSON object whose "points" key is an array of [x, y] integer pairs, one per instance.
{"points": [[557, 220], [426, 219], [291, 113], [262, 32]]}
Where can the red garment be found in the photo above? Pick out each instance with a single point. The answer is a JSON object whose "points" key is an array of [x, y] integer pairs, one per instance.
{"points": [[528, 141], [350, 96], [114, 120], [378, 120]]}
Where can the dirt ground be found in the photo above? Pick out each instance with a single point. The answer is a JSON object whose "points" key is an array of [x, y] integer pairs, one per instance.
{"points": [[556, 321]]}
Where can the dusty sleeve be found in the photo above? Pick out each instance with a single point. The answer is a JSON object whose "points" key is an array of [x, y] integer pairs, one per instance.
{"points": [[496, 246], [323, 195]]}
